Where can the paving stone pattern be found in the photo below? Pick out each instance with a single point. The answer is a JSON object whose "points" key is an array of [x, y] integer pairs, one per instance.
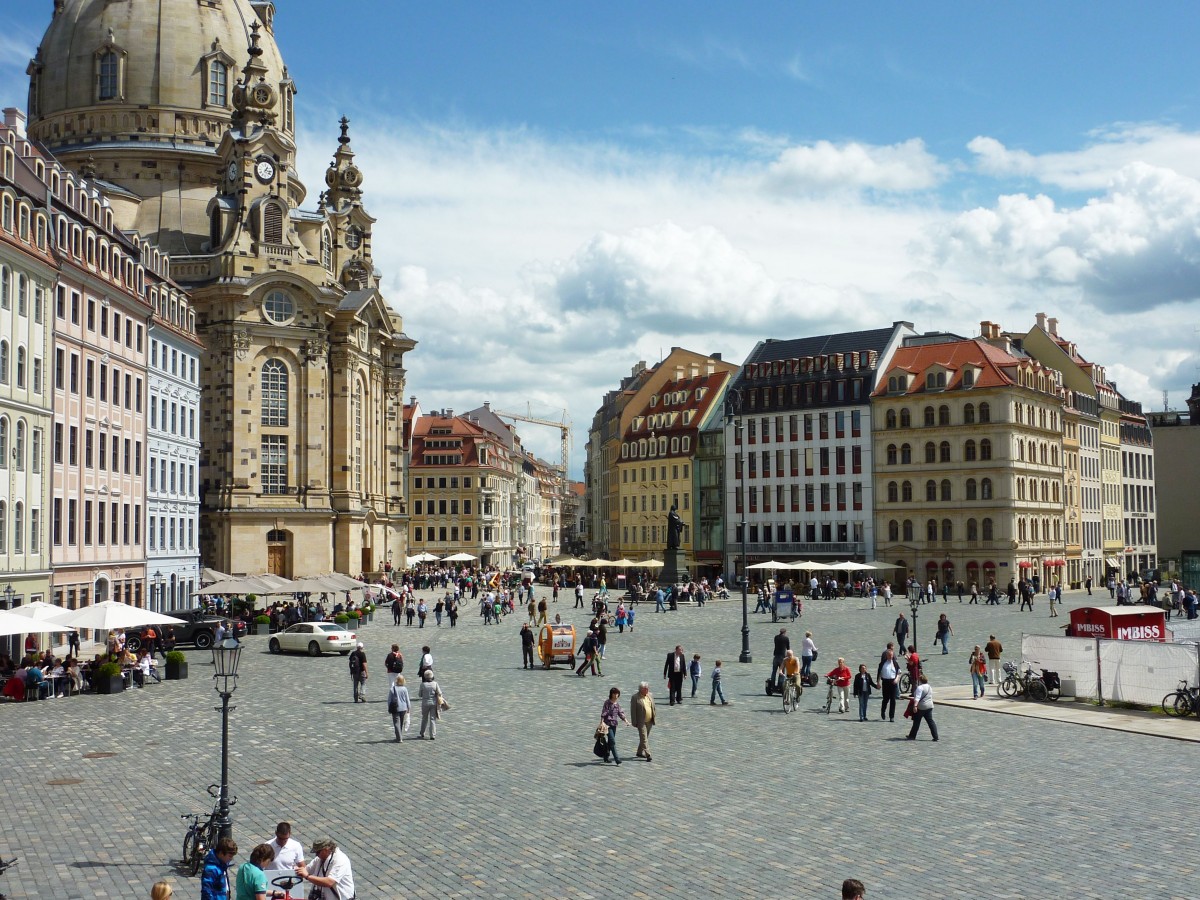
{"points": [[509, 802]]}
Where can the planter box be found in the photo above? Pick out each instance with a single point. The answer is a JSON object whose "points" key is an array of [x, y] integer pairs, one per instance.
{"points": [[114, 685], [262, 629], [177, 671]]}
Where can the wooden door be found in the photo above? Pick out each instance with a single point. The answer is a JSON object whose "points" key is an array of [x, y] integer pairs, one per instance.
{"points": [[277, 559]]}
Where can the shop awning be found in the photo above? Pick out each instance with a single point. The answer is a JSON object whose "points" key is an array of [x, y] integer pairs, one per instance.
{"points": [[1112, 562]]}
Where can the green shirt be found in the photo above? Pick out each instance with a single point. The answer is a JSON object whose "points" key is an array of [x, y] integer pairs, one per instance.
{"points": [[251, 881]]}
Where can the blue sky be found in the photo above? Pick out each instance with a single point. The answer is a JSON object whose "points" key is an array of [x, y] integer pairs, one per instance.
{"points": [[563, 189]]}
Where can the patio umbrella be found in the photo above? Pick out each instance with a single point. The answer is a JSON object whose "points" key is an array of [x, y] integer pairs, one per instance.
{"points": [[38, 610], [850, 566], [876, 564], [809, 566], [650, 564], [111, 615], [11, 623], [209, 575], [622, 563], [459, 557], [769, 564], [425, 557]]}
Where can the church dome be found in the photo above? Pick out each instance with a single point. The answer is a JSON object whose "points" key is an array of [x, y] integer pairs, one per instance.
{"points": [[142, 91]]}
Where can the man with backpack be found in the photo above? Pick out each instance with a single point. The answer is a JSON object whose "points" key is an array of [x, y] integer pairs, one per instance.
{"points": [[358, 673]]}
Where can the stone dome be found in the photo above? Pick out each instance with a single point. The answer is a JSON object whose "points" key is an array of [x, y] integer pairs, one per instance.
{"points": [[140, 92]]}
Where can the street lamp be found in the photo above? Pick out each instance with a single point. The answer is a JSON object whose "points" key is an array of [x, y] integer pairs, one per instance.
{"points": [[158, 589], [914, 601], [225, 665], [8, 596], [730, 417]]}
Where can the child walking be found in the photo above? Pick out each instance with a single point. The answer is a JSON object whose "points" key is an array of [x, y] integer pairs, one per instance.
{"points": [[694, 671], [716, 686]]}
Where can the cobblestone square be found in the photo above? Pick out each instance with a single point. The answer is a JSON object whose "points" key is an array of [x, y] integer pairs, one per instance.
{"points": [[509, 802]]}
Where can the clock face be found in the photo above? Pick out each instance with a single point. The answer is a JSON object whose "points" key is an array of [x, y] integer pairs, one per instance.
{"points": [[353, 238], [351, 176], [262, 95], [232, 171], [264, 170]]}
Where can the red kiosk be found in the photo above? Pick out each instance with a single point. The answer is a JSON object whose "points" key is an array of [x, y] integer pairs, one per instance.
{"points": [[1119, 623]]}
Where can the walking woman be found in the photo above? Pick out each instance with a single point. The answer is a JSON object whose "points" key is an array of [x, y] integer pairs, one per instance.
{"points": [[922, 709], [978, 665], [399, 705], [943, 633], [612, 715], [432, 702]]}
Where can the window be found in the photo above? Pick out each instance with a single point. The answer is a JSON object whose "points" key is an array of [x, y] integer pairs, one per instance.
{"points": [[972, 489], [273, 224], [947, 531], [944, 451], [891, 418], [893, 492], [987, 529], [905, 454], [929, 417], [985, 489], [931, 491], [985, 446], [905, 419], [19, 446], [274, 464], [893, 530], [931, 529], [972, 530], [108, 74], [274, 393], [218, 83], [279, 308], [985, 412], [891, 454], [969, 451], [969, 414], [908, 530], [930, 452], [906, 492]]}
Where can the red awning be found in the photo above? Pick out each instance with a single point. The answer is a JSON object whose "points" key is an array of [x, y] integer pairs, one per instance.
{"points": [[1056, 563], [989, 565], [1025, 564], [931, 565]]}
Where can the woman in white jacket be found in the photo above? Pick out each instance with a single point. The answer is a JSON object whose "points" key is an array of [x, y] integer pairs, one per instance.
{"points": [[922, 709]]}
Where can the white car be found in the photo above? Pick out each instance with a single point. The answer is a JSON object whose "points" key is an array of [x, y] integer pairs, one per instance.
{"points": [[314, 638]]}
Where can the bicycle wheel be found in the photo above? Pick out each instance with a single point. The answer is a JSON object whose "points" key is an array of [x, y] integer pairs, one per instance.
{"points": [[795, 697], [1009, 687], [906, 683], [1171, 705], [786, 694], [193, 855], [1037, 691], [1183, 703], [1053, 693]]}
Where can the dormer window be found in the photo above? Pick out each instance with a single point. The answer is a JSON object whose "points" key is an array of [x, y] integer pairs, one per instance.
{"points": [[968, 377], [108, 77], [218, 83]]}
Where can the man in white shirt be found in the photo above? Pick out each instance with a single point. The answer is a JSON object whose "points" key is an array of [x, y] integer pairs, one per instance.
{"points": [[288, 852], [330, 872]]}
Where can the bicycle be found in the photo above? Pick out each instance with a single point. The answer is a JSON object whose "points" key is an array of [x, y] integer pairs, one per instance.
{"points": [[791, 692], [1182, 701], [1026, 684], [4, 867], [830, 695], [200, 836]]}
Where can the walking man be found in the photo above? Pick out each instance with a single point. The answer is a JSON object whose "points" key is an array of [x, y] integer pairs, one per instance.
{"points": [[888, 675], [526, 646], [673, 671], [642, 716], [358, 673], [900, 630], [578, 594]]}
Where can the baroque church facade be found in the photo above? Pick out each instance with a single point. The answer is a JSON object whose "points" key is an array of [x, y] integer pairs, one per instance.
{"points": [[182, 111]]}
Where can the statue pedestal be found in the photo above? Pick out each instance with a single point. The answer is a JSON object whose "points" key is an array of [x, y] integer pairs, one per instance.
{"points": [[674, 569]]}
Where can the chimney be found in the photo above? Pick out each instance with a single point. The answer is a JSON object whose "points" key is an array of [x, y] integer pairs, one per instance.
{"points": [[1052, 324], [15, 119], [449, 414], [985, 330], [487, 404], [1041, 321]]}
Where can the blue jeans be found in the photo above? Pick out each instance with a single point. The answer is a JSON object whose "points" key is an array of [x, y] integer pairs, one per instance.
{"points": [[612, 743], [863, 698], [805, 664], [716, 692], [977, 685], [695, 684], [944, 637]]}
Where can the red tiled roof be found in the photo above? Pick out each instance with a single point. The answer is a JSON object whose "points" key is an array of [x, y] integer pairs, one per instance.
{"points": [[953, 356]]}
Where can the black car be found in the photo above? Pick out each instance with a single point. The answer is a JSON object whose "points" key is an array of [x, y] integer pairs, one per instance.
{"points": [[198, 627]]}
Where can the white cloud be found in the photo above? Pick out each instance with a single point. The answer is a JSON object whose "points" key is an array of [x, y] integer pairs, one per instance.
{"points": [[907, 166]]}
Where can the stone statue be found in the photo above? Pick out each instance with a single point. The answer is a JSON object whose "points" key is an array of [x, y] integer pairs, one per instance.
{"points": [[674, 528]]}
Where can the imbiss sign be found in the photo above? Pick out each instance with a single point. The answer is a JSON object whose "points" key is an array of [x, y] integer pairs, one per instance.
{"points": [[1119, 623]]}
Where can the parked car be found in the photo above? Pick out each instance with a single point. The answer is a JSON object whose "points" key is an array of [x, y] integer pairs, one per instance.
{"points": [[313, 638], [199, 628]]}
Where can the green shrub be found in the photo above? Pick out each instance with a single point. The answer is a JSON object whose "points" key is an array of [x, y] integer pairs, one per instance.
{"points": [[263, 620], [108, 670], [341, 618], [176, 657]]}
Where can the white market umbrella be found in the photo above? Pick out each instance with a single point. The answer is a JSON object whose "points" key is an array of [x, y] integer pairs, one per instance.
{"points": [[11, 623], [113, 615], [650, 564], [38, 610], [876, 564], [209, 575], [426, 557], [459, 557], [769, 564], [850, 566], [809, 566]]}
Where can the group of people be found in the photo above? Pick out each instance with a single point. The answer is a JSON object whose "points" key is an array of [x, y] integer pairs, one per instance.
{"points": [[329, 872], [399, 701]]}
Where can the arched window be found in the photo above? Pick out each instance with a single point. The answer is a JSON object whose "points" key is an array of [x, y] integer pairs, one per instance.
{"points": [[893, 530], [944, 451], [893, 492], [1020, 488], [3, 527], [218, 83], [947, 531], [274, 393], [4, 442], [969, 450], [930, 452], [1021, 530], [969, 414], [985, 449], [905, 418], [906, 493], [945, 489], [985, 489], [20, 367], [273, 223], [931, 491], [891, 454], [19, 446], [3, 362], [18, 527], [943, 415], [359, 442], [5, 287], [972, 489], [108, 73], [891, 418], [931, 531], [987, 529], [908, 529], [905, 454], [326, 249], [1033, 530], [929, 417], [985, 412], [972, 530]]}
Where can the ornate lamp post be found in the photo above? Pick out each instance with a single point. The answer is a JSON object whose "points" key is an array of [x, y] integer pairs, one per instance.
{"points": [[8, 596], [226, 656], [731, 407], [158, 589], [914, 601]]}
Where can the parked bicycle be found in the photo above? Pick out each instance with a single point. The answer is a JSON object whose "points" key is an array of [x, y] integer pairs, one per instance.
{"points": [[1183, 701], [1029, 685], [4, 867], [201, 834], [906, 683]]}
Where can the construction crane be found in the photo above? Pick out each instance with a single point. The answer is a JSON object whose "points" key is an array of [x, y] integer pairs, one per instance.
{"points": [[564, 429]]}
